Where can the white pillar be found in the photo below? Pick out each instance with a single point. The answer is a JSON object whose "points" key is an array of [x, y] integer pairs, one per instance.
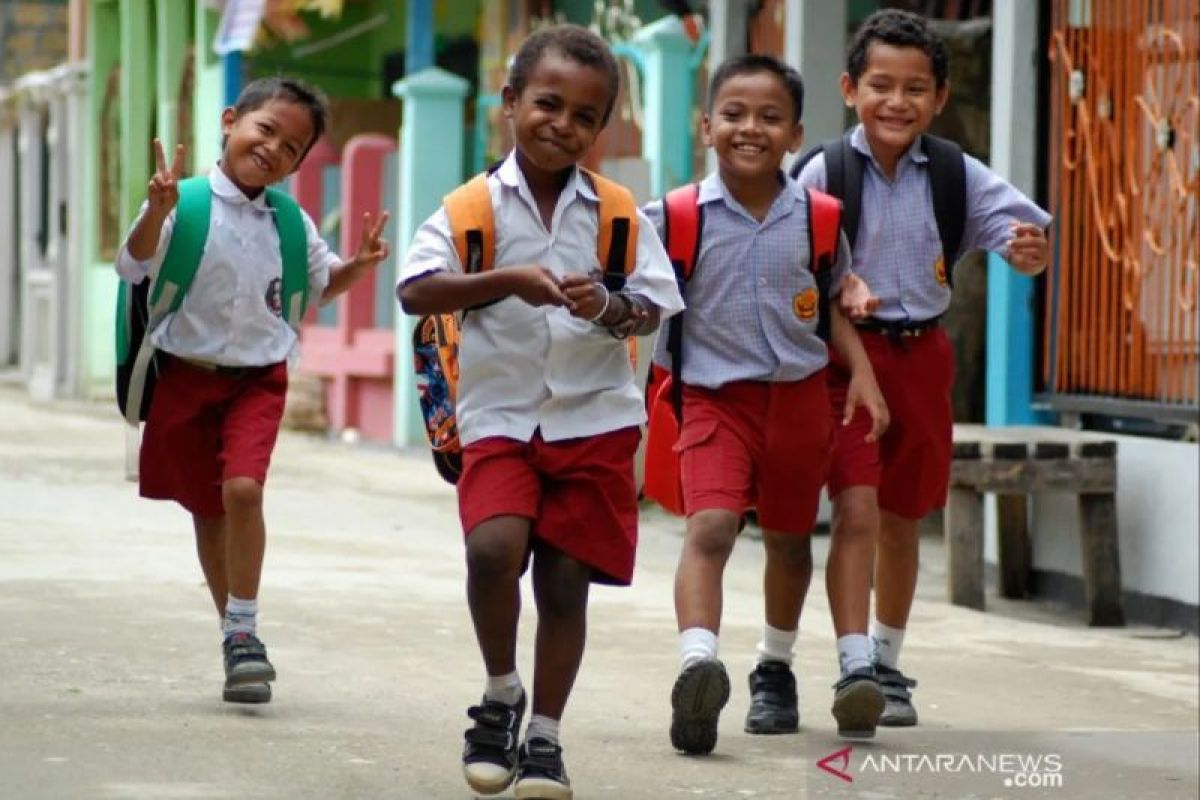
{"points": [[728, 22], [75, 89], [1015, 50], [815, 43], [8, 231]]}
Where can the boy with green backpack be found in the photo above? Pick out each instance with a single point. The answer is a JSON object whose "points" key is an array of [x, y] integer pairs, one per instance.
{"points": [[226, 265]]}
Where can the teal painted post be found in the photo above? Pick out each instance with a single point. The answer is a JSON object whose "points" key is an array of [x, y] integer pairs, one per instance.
{"points": [[431, 164], [1010, 343], [667, 83], [419, 35]]}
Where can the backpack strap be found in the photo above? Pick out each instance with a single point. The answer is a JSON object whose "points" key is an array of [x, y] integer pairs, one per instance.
{"points": [[683, 222], [843, 180], [948, 185], [824, 226], [293, 247], [616, 246], [188, 236], [473, 224]]}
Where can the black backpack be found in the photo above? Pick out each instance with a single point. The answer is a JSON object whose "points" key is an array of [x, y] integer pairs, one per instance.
{"points": [[947, 181]]}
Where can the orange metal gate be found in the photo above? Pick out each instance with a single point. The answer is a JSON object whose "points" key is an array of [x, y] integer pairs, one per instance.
{"points": [[1121, 320]]}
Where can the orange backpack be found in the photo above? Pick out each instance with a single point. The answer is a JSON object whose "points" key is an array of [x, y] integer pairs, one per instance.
{"points": [[664, 390], [436, 336]]}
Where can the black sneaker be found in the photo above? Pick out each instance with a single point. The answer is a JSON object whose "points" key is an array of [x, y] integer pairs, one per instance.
{"points": [[699, 694], [246, 661], [490, 753], [857, 703], [897, 691], [541, 775], [247, 693], [774, 707]]}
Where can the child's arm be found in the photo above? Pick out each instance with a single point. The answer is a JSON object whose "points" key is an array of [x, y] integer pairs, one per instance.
{"points": [[1003, 220], [863, 390], [1029, 250], [162, 194], [624, 313], [442, 292], [371, 250]]}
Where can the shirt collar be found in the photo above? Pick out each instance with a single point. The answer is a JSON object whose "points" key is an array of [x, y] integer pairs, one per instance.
{"points": [[858, 140], [225, 189], [712, 189], [509, 174]]}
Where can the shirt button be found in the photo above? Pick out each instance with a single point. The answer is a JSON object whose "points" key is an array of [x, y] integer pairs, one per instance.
{"points": [[762, 281]]}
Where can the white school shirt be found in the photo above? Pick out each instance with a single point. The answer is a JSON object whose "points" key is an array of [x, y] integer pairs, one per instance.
{"points": [[523, 367], [232, 313]]}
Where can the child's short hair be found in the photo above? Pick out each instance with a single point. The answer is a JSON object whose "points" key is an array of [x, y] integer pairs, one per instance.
{"points": [[755, 62], [258, 93], [900, 29], [571, 41]]}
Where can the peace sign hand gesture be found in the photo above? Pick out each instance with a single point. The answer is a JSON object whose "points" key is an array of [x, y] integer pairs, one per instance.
{"points": [[163, 191], [372, 249]]}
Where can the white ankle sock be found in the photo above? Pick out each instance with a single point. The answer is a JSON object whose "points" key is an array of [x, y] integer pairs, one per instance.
{"points": [[696, 644], [542, 727], [854, 652], [885, 642], [506, 689], [241, 616], [776, 645]]}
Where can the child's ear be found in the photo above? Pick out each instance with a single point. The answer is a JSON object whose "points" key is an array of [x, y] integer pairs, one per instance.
{"points": [[797, 138], [847, 84], [508, 100], [706, 130], [228, 117], [940, 98]]}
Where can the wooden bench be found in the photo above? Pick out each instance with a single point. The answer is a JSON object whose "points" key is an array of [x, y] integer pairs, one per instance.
{"points": [[1014, 463]]}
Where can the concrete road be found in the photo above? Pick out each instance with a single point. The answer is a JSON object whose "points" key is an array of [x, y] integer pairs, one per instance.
{"points": [[110, 665]]}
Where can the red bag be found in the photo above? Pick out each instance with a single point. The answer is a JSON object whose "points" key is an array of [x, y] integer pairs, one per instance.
{"points": [[664, 392]]}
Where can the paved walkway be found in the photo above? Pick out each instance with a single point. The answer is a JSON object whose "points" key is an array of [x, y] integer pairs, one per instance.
{"points": [[110, 666]]}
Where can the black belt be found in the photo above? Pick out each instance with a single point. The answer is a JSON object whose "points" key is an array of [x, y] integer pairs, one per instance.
{"points": [[895, 329]]}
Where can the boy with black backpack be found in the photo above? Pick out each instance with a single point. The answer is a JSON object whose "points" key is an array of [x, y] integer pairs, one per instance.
{"points": [[914, 203], [229, 264], [748, 364]]}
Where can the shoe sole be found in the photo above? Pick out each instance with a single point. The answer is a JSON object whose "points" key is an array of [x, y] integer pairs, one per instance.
{"points": [[542, 789], [697, 698], [857, 709], [488, 787], [251, 693], [250, 672]]}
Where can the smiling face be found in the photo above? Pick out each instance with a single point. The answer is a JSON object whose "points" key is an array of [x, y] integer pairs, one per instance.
{"points": [[751, 125], [896, 97], [558, 114], [266, 144]]}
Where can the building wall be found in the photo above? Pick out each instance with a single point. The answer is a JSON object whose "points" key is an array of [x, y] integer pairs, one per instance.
{"points": [[33, 36]]}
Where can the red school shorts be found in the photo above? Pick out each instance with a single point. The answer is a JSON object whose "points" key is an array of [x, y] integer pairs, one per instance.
{"points": [[757, 444], [579, 493], [910, 465], [205, 428]]}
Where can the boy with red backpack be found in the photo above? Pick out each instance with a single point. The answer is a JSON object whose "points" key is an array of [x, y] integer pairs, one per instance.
{"points": [[755, 428]]}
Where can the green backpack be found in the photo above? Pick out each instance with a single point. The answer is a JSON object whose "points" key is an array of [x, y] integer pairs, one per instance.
{"points": [[141, 307]]}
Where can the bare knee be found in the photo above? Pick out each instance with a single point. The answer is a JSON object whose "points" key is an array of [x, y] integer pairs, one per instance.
{"points": [[241, 495], [856, 516], [493, 554], [790, 550], [711, 534]]}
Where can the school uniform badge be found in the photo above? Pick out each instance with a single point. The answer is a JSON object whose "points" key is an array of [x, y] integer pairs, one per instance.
{"points": [[939, 271], [804, 305]]}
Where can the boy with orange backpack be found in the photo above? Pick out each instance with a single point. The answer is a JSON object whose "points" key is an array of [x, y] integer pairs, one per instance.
{"points": [[546, 405], [755, 428]]}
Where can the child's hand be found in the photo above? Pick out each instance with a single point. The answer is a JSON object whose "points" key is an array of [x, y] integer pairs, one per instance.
{"points": [[162, 193], [538, 286], [855, 298], [864, 391], [588, 295], [372, 249], [1029, 250]]}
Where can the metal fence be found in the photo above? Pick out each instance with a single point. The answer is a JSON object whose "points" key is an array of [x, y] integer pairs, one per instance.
{"points": [[1120, 317]]}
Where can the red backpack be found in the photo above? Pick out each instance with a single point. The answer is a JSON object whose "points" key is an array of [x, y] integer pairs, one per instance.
{"points": [[684, 224]]}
